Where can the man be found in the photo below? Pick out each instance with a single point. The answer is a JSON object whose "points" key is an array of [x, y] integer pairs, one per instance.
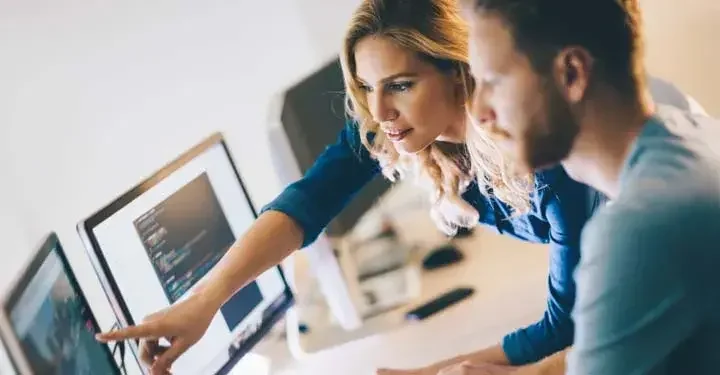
{"points": [[530, 346], [562, 81]]}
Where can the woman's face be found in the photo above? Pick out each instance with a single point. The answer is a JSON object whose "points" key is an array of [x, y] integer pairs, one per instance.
{"points": [[413, 101]]}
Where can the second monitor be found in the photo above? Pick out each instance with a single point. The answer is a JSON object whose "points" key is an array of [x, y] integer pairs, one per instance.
{"points": [[152, 245], [48, 323]]}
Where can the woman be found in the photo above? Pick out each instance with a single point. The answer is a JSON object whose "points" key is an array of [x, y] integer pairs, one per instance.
{"points": [[406, 74]]}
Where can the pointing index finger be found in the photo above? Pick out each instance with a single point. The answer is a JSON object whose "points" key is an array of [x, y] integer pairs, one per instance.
{"points": [[142, 331]]}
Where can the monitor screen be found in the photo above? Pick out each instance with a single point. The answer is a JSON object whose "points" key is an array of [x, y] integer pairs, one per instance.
{"points": [[51, 321], [158, 240]]}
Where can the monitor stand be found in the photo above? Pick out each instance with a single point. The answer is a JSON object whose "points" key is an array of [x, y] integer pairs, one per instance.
{"points": [[252, 363]]}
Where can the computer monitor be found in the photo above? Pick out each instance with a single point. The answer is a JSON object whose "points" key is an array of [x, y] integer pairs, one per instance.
{"points": [[47, 321], [312, 116], [6, 364], [153, 244]]}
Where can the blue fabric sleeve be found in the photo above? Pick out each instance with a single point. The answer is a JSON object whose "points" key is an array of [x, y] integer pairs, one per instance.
{"points": [[328, 186], [566, 209]]}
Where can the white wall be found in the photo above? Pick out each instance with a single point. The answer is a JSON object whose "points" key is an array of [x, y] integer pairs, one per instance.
{"points": [[326, 21], [682, 46], [16, 242], [97, 95]]}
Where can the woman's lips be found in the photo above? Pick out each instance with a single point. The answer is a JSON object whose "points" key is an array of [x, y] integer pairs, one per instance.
{"points": [[397, 135]]}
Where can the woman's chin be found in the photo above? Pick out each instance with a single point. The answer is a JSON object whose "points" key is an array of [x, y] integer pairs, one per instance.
{"points": [[408, 147]]}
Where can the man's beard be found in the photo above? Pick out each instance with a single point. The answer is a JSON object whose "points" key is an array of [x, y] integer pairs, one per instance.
{"points": [[551, 134]]}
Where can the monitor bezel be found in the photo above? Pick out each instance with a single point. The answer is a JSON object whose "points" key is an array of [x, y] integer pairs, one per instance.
{"points": [[112, 291], [12, 341], [5, 348]]}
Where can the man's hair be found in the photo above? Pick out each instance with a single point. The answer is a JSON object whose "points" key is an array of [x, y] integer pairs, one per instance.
{"points": [[610, 30]]}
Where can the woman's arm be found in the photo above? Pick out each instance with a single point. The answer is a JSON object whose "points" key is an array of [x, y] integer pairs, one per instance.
{"points": [[291, 221], [566, 207], [562, 207], [552, 365], [328, 186], [297, 216], [492, 355], [271, 238]]}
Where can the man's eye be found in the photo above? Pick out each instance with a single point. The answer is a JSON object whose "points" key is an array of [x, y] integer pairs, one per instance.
{"points": [[490, 81]]}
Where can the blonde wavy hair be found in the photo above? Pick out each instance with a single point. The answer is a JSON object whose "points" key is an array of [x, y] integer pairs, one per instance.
{"points": [[435, 30]]}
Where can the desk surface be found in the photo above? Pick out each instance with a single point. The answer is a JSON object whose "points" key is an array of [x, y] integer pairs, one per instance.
{"points": [[510, 278]]}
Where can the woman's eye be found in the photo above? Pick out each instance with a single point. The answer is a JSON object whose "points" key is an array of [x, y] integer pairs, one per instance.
{"points": [[400, 86], [365, 88]]}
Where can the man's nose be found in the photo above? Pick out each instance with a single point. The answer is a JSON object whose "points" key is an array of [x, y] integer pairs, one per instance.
{"points": [[481, 111]]}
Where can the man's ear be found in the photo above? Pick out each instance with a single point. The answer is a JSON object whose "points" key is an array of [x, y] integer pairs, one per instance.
{"points": [[572, 69]]}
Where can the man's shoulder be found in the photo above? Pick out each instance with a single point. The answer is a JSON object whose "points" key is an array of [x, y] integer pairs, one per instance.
{"points": [[662, 190], [624, 239], [656, 216], [670, 183], [663, 236], [667, 93], [675, 153]]}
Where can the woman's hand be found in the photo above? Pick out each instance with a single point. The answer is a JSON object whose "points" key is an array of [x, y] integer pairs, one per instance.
{"points": [[422, 371], [182, 325], [468, 368], [271, 238], [490, 359], [463, 368]]}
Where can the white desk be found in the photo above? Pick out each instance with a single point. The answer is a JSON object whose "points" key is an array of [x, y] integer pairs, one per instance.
{"points": [[510, 278]]}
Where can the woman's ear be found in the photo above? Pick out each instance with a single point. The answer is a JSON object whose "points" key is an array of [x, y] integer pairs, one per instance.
{"points": [[460, 80]]}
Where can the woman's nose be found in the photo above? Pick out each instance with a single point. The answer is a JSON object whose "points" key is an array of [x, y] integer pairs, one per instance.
{"points": [[382, 109]]}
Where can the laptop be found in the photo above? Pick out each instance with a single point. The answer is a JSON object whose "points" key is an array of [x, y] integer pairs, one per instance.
{"points": [[47, 323]]}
